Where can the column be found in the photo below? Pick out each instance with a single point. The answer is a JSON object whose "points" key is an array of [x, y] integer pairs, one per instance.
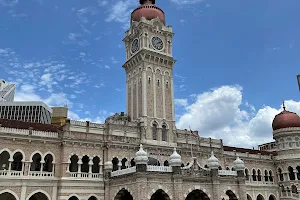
{"points": [[42, 165], [100, 168], [127, 103], [79, 164], [172, 92], [137, 95], [164, 96], [144, 92], [296, 177], [154, 94], [131, 103], [90, 167]]}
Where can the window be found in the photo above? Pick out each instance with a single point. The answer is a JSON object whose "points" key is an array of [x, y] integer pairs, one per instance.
{"points": [[164, 132], [167, 84], [158, 83], [149, 80], [154, 131]]}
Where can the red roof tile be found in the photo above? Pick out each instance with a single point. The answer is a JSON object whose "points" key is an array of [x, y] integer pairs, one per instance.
{"points": [[26, 125], [250, 151]]}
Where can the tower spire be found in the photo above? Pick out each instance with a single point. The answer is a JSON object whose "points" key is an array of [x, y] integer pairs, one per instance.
{"points": [[283, 105], [147, 1]]}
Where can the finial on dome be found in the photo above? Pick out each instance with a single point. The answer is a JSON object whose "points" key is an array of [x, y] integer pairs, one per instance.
{"points": [[283, 105], [147, 1]]}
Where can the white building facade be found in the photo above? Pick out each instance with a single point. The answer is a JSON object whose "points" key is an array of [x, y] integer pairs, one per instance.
{"points": [[7, 91], [27, 111], [90, 161]]}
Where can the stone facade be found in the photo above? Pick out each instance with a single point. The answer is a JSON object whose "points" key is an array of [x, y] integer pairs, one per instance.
{"points": [[89, 161]]}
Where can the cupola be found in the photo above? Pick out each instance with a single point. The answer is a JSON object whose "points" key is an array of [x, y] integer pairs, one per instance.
{"points": [[141, 156], [285, 119], [175, 159], [213, 162], [149, 10]]}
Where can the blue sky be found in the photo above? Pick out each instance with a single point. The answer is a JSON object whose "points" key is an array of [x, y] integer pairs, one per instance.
{"points": [[236, 60]]}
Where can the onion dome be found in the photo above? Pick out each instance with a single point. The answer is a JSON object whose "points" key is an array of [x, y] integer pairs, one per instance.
{"points": [[175, 159], [149, 10], [213, 162], [239, 165], [108, 165], [141, 156], [285, 119]]}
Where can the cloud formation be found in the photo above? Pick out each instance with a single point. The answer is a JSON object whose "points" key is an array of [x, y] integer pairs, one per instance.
{"points": [[218, 114]]}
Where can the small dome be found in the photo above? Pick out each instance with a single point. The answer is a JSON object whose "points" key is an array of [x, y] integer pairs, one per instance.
{"points": [[285, 119], [239, 165], [149, 10], [141, 156], [213, 162], [175, 159]]}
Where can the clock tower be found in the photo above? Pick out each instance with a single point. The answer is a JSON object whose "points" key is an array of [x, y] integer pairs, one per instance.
{"points": [[149, 73]]}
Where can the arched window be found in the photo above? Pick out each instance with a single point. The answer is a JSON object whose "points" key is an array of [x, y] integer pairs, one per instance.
{"points": [[270, 176], [73, 167], [17, 164], [115, 162], [266, 176], [85, 164], [48, 165], [258, 175], [96, 167], [157, 82], [132, 162], [291, 173], [294, 189], [154, 131], [166, 163], [254, 175], [167, 84], [123, 166], [149, 80], [280, 174], [247, 174], [298, 173], [36, 162], [164, 132], [4, 163]]}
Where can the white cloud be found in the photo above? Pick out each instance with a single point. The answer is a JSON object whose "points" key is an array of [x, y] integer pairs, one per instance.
{"points": [[8, 2], [181, 102], [218, 114], [185, 2], [120, 12]]}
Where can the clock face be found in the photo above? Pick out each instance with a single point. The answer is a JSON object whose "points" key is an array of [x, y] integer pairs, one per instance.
{"points": [[135, 45], [157, 43]]}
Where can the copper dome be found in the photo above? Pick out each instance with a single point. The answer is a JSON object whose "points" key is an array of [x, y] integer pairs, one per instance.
{"points": [[286, 119], [148, 10]]}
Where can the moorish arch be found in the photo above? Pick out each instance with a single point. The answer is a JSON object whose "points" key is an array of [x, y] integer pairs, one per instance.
{"points": [[272, 197], [197, 195], [8, 195], [260, 197], [231, 195], [73, 198], [123, 194], [249, 197], [92, 198], [160, 195], [39, 195]]}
